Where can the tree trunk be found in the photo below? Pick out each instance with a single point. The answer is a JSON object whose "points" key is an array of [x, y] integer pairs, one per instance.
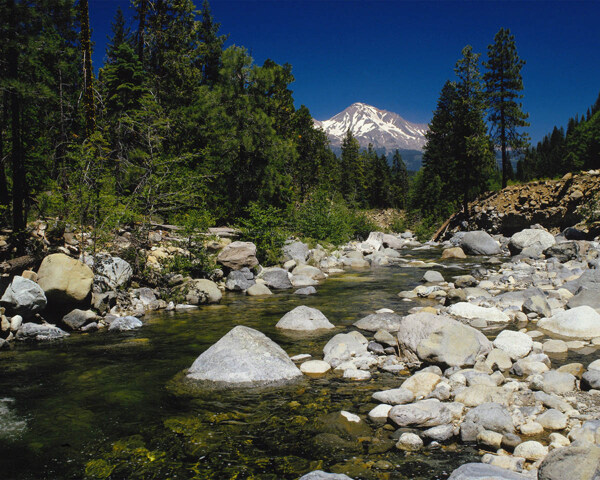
{"points": [[4, 199], [88, 94]]}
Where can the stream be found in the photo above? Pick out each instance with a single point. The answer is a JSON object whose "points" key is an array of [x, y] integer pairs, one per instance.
{"points": [[106, 405]]}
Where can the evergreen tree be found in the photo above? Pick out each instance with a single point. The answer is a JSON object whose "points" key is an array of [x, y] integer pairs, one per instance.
{"points": [[504, 85], [88, 74], [475, 159], [352, 175], [399, 182], [211, 46]]}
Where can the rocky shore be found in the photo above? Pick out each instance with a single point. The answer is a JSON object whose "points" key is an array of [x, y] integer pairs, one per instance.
{"points": [[481, 359]]}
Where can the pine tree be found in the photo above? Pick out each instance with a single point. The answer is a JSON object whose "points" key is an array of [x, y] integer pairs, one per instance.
{"points": [[504, 85], [399, 183], [475, 158], [211, 46], [352, 174], [88, 74]]}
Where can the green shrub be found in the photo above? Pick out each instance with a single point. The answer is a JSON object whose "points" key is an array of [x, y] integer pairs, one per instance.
{"points": [[265, 226]]}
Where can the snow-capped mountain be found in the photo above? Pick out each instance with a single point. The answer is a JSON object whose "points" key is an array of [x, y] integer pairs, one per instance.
{"points": [[385, 130]]}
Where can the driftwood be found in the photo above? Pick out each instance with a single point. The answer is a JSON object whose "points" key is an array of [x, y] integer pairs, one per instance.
{"points": [[442, 230], [15, 266]]}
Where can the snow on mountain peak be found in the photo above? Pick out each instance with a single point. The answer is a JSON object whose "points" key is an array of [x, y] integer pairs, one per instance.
{"points": [[384, 129]]}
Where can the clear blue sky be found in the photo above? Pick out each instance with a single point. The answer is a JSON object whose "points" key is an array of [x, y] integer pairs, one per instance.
{"points": [[396, 55]]}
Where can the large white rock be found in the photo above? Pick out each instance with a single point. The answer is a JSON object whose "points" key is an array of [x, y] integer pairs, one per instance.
{"points": [[23, 297], [416, 327], [470, 311], [343, 347], [304, 318], [516, 344], [64, 279], [531, 238], [582, 323], [425, 413], [114, 271], [244, 356]]}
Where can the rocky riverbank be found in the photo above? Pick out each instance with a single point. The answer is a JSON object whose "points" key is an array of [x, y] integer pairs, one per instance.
{"points": [[480, 359]]}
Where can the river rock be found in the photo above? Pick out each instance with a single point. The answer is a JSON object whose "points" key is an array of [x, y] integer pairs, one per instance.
{"points": [[315, 367], [432, 276], [582, 323], [124, 324], [238, 281], [379, 321], [23, 297], [441, 433], [306, 291], [321, 475], [516, 344], [421, 384], [244, 356], [258, 289], [575, 462], [531, 450], [498, 359], [590, 379], [309, 271], [391, 241], [455, 345], [343, 347], [536, 239], [453, 253], [424, 413], [409, 442], [558, 382], [563, 251], [585, 296], [555, 346], [589, 432], [471, 311], [114, 272], [483, 471], [491, 416], [537, 304], [394, 396], [65, 281], [277, 278], [237, 255], [479, 394], [479, 243], [304, 318], [297, 251], [202, 291], [78, 318], [33, 331], [416, 327], [552, 420]]}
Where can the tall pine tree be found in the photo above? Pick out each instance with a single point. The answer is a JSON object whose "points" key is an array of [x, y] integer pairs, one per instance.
{"points": [[504, 85]]}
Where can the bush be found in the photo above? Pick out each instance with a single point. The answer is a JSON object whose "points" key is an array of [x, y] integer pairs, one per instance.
{"points": [[265, 226]]}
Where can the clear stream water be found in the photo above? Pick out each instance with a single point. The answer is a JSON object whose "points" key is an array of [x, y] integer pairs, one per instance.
{"points": [[105, 405]]}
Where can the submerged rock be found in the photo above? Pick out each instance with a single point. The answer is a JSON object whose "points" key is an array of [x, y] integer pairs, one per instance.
{"points": [[244, 356], [483, 471], [321, 475]]}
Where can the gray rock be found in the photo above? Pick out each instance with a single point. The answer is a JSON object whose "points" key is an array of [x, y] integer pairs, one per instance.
{"points": [[103, 302], [306, 291], [589, 279], [515, 344], [491, 416], [432, 276], [441, 433], [590, 379], [537, 304], [483, 471], [394, 396], [244, 356], [424, 413], [78, 318], [276, 278], [33, 331], [124, 324], [114, 272], [455, 345], [563, 252], [558, 382], [379, 321], [303, 318], [536, 239], [575, 462], [238, 281], [416, 327], [343, 347], [321, 475], [479, 243], [258, 289], [463, 281], [589, 432], [585, 296], [391, 241], [23, 297], [297, 251], [202, 291], [308, 271]]}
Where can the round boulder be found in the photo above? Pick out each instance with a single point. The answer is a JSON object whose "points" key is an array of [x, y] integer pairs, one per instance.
{"points": [[581, 323], [479, 243], [238, 255], [515, 344], [65, 281]]}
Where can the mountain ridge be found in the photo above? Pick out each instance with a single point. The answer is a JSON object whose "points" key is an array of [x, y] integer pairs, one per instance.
{"points": [[383, 129]]}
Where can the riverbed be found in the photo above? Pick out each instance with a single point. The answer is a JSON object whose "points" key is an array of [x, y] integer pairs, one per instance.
{"points": [[106, 405]]}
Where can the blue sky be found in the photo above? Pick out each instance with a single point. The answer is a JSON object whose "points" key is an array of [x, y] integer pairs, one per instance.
{"points": [[396, 55]]}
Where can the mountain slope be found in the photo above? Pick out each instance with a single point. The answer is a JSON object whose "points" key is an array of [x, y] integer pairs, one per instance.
{"points": [[385, 130]]}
